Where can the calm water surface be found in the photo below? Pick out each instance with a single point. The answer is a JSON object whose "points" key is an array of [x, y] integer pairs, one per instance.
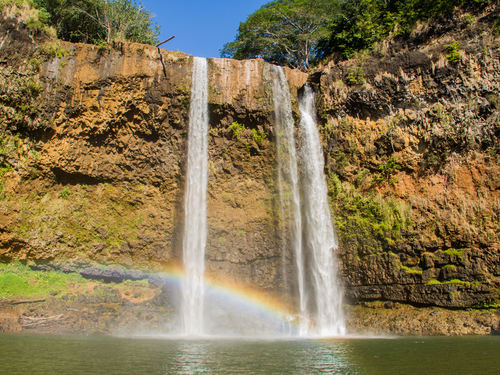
{"points": [[44, 354]]}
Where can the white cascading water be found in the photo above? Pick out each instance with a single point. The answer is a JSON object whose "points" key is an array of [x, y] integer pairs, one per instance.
{"points": [[195, 230], [288, 181], [321, 238]]}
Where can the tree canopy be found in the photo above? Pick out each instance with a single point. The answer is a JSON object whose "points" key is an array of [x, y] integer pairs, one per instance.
{"points": [[298, 33], [285, 32], [101, 20]]}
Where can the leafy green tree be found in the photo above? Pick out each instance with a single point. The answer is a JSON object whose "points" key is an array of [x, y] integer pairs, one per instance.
{"points": [[298, 33], [361, 23], [71, 26], [101, 20], [285, 32], [120, 19]]}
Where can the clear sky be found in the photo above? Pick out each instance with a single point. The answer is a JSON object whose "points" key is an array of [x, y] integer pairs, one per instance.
{"points": [[201, 27]]}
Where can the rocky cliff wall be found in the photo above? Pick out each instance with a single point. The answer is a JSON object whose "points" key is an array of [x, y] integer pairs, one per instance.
{"points": [[411, 135], [100, 156], [94, 158]]}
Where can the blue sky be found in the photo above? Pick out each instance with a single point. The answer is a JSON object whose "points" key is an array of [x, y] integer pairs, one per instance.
{"points": [[201, 27]]}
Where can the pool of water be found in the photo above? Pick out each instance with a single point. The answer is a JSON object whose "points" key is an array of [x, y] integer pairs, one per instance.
{"points": [[45, 354]]}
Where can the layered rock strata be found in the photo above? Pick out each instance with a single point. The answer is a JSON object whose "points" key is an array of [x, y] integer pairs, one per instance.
{"points": [[93, 159], [104, 159], [411, 137]]}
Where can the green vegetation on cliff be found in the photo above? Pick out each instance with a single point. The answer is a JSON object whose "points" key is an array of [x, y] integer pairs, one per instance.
{"points": [[366, 215], [299, 33], [18, 280], [87, 21], [68, 223]]}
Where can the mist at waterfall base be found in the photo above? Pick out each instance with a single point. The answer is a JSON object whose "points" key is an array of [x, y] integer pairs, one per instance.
{"points": [[228, 312]]}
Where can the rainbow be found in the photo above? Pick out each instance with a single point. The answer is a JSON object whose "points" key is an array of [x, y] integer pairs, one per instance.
{"points": [[268, 306]]}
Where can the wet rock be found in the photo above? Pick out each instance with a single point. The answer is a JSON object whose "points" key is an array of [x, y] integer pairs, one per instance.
{"points": [[112, 273], [134, 275], [92, 272], [156, 280], [126, 302], [161, 300]]}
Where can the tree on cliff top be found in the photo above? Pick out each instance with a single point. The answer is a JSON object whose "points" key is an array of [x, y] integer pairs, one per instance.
{"points": [[361, 23], [284, 32], [298, 33], [101, 20]]}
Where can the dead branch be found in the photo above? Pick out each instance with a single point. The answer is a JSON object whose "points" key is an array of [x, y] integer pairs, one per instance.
{"points": [[168, 40], [32, 318]]}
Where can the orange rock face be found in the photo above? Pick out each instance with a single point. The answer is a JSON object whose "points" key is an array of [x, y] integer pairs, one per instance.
{"points": [[411, 157], [109, 158]]}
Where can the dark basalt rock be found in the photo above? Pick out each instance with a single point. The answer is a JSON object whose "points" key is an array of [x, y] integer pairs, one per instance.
{"points": [[135, 275], [112, 273]]}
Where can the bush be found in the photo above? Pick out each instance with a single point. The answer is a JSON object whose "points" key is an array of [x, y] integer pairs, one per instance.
{"points": [[453, 54], [356, 76], [64, 193], [258, 135], [237, 129], [390, 168]]}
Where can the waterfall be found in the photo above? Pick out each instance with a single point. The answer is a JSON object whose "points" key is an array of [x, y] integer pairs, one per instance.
{"points": [[195, 231], [288, 183], [321, 238], [319, 291]]}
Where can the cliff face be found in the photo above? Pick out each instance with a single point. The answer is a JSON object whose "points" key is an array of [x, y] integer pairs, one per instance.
{"points": [[411, 143], [104, 158], [96, 172]]}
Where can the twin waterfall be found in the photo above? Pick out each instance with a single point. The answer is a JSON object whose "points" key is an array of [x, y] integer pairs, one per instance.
{"points": [[313, 239], [320, 233], [288, 181]]}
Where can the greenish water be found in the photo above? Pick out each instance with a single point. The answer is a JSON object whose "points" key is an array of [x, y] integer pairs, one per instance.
{"points": [[44, 354]]}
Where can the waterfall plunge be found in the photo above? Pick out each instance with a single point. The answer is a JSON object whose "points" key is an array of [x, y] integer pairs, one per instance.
{"points": [[195, 231], [321, 238], [288, 182], [320, 235]]}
